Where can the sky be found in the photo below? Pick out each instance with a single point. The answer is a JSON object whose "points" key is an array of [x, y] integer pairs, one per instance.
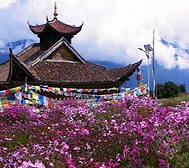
{"points": [[113, 30]]}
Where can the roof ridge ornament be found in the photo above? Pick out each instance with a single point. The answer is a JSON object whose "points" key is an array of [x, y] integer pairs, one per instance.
{"points": [[47, 18], [55, 11], [10, 51]]}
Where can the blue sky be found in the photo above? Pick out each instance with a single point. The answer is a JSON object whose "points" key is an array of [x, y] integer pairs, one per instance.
{"points": [[113, 29]]}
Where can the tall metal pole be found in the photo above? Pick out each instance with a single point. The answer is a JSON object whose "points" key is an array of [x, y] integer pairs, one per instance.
{"points": [[148, 75], [153, 66]]}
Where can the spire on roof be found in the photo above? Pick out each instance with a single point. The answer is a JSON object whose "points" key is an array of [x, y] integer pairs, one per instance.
{"points": [[55, 12], [47, 18]]}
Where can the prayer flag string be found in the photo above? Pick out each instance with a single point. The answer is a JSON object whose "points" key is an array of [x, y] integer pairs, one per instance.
{"points": [[30, 94]]}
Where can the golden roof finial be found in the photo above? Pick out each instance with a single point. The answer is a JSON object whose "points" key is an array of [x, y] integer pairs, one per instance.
{"points": [[55, 12]]}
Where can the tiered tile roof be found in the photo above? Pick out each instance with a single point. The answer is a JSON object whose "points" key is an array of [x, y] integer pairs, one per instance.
{"points": [[56, 26]]}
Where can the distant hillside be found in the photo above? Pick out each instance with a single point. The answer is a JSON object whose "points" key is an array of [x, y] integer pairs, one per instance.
{"points": [[174, 45], [162, 75], [16, 46], [3, 57]]}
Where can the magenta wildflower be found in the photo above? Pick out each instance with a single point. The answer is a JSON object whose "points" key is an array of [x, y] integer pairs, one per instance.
{"points": [[125, 151], [139, 131], [88, 146], [97, 164], [70, 163], [146, 149], [16, 154], [116, 164], [187, 138], [56, 142], [176, 138], [85, 131], [27, 164], [51, 164], [65, 147], [163, 163], [118, 157], [39, 164]]}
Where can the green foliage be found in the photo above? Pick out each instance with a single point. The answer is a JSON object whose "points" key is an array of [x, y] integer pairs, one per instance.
{"points": [[169, 102], [20, 138], [170, 89], [174, 101], [180, 159]]}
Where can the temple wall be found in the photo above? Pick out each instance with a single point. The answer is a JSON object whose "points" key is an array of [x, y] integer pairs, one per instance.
{"points": [[63, 53]]}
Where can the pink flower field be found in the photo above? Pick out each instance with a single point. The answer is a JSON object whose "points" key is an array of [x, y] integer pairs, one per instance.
{"points": [[135, 133]]}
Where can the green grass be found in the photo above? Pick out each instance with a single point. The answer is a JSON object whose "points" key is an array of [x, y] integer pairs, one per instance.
{"points": [[174, 101]]}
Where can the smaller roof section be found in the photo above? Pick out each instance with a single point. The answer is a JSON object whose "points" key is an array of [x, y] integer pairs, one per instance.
{"points": [[57, 26]]}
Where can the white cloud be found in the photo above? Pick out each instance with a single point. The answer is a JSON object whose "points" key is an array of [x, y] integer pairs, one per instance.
{"points": [[165, 55], [2, 47], [113, 29], [6, 3], [1, 44], [183, 59]]}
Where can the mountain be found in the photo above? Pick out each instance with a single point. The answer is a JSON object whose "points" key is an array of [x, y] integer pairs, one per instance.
{"points": [[3, 56], [162, 75], [174, 45], [16, 46]]}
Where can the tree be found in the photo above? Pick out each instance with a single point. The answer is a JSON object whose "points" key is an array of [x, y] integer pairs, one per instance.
{"points": [[160, 91], [170, 89], [182, 88]]}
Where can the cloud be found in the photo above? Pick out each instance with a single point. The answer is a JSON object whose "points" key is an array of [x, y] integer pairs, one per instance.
{"points": [[165, 55], [6, 3], [113, 29], [2, 44]]}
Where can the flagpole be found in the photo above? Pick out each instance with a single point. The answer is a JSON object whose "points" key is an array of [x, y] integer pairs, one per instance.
{"points": [[153, 66]]}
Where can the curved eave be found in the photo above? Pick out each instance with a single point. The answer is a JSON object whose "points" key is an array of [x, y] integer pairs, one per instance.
{"points": [[14, 60], [92, 84], [123, 74], [49, 24], [74, 32], [132, 67], [33, 28]]}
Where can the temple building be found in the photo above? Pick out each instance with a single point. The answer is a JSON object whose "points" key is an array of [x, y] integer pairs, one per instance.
{"points": [[55, 62]]}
